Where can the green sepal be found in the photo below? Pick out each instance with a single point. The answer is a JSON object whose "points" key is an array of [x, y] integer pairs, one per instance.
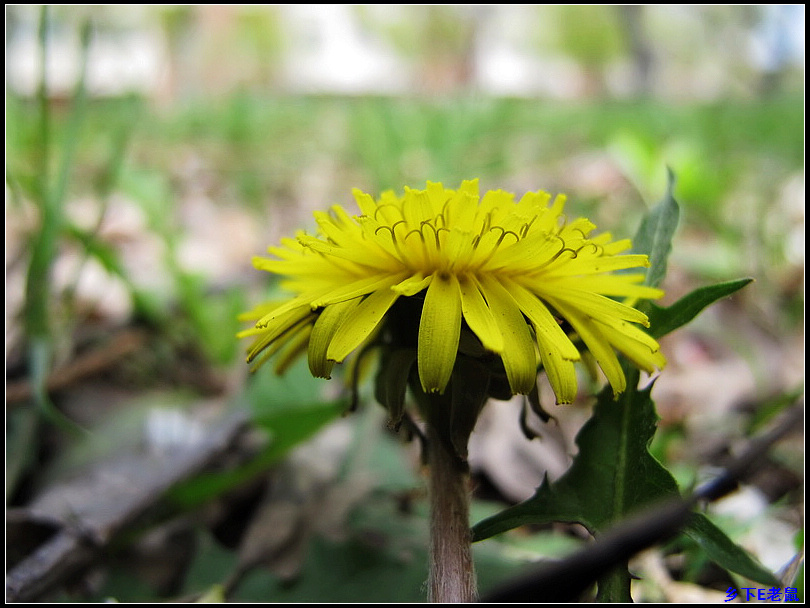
{"points": [[453, 414], [470, 390], [392, 381]]}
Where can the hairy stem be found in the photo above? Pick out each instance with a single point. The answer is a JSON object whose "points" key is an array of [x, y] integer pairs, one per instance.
{"points": [[452, 572], [615, 586]]}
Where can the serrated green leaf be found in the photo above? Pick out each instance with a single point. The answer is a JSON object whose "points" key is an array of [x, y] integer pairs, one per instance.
{"points": [[654, 236], [612, 475], [725, 553], [664, 320]]}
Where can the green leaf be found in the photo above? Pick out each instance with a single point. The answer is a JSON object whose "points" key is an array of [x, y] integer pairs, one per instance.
{"points": [[725, 553], [149, 306], [38, 294], [654, 236], [41, 353], [612, 475], [664, 320]]}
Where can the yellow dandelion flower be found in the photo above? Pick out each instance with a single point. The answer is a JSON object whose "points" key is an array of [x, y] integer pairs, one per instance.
{"points": [[531, 286]]}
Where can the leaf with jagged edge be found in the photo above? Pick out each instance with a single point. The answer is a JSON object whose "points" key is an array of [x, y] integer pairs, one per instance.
{"points": [[613, 474]]}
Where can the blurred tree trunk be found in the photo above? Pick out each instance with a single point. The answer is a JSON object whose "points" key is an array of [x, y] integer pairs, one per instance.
{"points": [[631, 19]]}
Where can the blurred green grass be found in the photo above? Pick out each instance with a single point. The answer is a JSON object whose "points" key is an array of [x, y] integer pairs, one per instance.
{"points": [[249, 137], [256, 148]]}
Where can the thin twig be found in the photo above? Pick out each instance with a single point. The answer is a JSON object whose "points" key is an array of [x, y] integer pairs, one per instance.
{"points": [[88, 364]]}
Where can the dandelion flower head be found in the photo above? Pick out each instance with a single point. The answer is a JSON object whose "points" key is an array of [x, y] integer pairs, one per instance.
{"points": [[532, 287]]}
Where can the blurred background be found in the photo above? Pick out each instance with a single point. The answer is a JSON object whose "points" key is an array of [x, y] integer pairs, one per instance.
{"points": [[151, 151]]}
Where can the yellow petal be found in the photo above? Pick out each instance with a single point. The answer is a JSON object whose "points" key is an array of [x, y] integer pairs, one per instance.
{"points": [[556, 350], [356, 254], [469, 187], [640, 355], [596, 342], [325, 328], [277, 328], [271, 350], [617, 327], [533, 202], [413, 285], [296, 346], [622, 285], [438, 196], [360, 287], [360, 323], [462, 212], [365, 201], [636, 344], [258, 311], [417, 208], [586, 265], [593, 304], [439, 330], [526, 255], [616, 247], [560, 372], [279, 315], [479, 316], [545, 325], [518, 354]]}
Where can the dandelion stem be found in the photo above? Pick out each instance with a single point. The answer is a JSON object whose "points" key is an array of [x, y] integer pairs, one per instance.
{"points": [[452, 571]]}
